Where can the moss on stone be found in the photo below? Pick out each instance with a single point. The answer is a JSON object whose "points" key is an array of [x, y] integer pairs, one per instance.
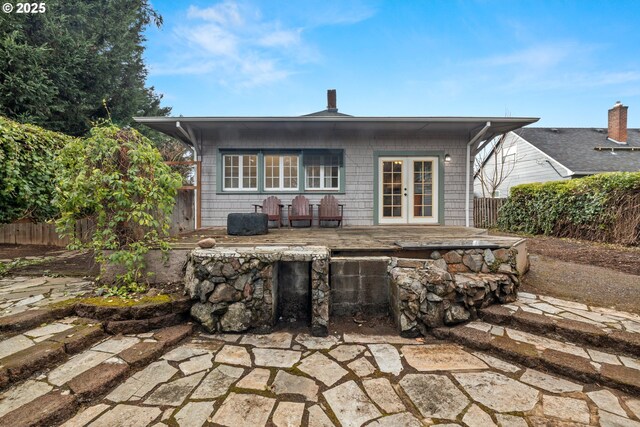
{"points": [[65, 303], [126, 302]]}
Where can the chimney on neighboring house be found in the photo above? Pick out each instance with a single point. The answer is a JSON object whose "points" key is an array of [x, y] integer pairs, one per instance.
{"points": [[332, 105], [618, 123]]}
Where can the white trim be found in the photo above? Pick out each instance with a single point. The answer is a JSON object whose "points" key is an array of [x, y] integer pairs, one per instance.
{"points": [[281, 157], [617, 142], [240, 186], [406, 210], [322, 167], [433, 218]]}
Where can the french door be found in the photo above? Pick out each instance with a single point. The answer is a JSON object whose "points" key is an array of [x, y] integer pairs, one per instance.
{"points": [[407, 190]]}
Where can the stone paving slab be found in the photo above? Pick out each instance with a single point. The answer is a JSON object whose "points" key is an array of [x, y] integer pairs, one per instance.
{"points": [[239, 410], [554, 308], [20, 294], [483, 392], [565, 357], [78, 379]]}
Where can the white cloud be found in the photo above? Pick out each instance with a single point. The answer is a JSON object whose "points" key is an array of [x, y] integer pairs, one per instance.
{"points": [[225, 13], [538, 57], [552, 66], [233, 42], [283, 38]]}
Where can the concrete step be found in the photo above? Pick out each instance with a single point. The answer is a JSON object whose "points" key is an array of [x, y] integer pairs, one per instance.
{"points": [[584, 363], [52, 395], [567, 320]]}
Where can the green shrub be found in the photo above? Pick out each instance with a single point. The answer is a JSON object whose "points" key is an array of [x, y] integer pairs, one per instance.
{"points": [[117, 178], [27, 171], [604, 207]]}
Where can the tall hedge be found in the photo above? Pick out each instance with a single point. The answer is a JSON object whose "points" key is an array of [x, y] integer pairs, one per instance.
{"points": [[604, 207], [27, 171]]}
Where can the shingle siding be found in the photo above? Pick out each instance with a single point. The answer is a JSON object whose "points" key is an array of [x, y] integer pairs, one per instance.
{"points": [[359, 170]]}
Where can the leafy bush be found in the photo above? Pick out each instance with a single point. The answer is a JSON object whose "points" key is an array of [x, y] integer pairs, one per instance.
{"points": [[117, 178], [604, 207], [27, 171]]}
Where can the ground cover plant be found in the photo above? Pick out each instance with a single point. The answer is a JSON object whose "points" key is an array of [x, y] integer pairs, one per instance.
{"points": [[603, 207]]}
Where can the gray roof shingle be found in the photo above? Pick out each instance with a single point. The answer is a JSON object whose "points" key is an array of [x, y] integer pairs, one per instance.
{"points": [[575, 148]]}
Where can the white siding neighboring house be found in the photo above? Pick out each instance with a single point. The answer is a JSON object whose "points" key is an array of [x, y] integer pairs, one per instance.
{"points": [[551, 154], [523, 163]]}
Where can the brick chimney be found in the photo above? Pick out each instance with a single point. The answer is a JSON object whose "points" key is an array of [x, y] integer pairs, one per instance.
{"points": [[618, 123], [332, 104]]}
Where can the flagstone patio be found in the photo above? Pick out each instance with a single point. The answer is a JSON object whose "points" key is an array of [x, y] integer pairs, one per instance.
{"points": [[285, 382]]}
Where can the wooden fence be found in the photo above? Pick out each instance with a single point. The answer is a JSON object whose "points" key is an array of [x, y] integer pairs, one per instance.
{"points": [[29, 233], [485, 211]]}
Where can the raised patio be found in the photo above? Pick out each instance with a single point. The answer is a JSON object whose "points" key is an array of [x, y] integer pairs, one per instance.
{"points": [[369, 239], [423, 277]]}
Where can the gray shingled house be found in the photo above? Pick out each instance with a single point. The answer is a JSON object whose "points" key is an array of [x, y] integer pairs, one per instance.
{"points": [[550, 154], [385, 170]]}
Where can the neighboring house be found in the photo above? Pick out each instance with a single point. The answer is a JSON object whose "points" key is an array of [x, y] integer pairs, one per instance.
{"points": [[385, 170], [551, 154]]}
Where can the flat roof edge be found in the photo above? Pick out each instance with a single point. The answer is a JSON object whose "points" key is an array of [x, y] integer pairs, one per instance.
{"points": [[434, 119]]}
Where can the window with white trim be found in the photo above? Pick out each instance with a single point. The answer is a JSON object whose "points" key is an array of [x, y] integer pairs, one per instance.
{"points": [[240, 172], [281, 172], [322, 172]]}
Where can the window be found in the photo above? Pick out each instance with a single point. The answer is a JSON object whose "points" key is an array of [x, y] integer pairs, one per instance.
{"points": [[240, 172], [281, 172], [322, 172], [274, 171]]}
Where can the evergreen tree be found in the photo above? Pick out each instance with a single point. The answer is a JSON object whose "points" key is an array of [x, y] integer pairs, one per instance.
{"points": [[58, 69]]}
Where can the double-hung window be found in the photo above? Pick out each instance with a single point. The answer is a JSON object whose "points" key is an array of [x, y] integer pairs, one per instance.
{"points": [[322, 172], [240, 172], [281, 172]]}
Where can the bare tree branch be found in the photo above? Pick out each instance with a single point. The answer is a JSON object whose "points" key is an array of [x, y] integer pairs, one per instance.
{"points": [[495, 166]]}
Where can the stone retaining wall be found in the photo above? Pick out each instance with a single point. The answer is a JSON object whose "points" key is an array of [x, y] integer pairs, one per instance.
{"points": [[449, 288], [237, 288]]}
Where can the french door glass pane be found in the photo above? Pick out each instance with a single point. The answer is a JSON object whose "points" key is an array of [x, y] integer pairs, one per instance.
{"points": [[392, 188], [422, 188]]}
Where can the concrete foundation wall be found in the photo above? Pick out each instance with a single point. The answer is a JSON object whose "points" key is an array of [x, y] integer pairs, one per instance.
{"points": [[359, 285], [169, 270]]}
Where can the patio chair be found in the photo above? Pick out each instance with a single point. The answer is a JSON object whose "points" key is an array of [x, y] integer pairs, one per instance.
{"points": [[272, 206], [330, 210], [300, 210]]}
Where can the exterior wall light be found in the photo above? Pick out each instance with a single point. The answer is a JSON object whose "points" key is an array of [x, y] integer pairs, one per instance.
{"points": [[447, 158]]}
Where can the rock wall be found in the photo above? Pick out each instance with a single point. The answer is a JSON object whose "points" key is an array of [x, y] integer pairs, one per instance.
{"points": [[237, 288], [448, 288]]}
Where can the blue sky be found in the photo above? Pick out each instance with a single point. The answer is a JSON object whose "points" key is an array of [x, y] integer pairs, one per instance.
{"points": [[564, 61]]}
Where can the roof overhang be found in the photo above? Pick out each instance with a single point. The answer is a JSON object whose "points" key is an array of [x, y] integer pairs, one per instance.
{"points": [[188, 129]]}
